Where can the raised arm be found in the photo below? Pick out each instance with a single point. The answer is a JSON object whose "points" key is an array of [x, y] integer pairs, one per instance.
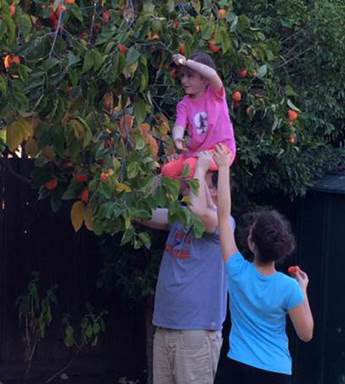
{"points": [[200, 204], [301, 316], [223, 158], [159, 220], [204, 70]]}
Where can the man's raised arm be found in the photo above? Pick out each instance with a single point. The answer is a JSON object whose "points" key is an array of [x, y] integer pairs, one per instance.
{"points": [[159, 220]]}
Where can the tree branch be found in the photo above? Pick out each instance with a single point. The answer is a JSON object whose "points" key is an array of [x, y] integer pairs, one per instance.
{"points": [[56, 31], [92, 23]]}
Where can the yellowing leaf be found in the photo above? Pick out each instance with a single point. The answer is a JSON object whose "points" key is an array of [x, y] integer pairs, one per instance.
{"points": [[186, 199], [108, 101], [78, 129], [126, 124], [129, 71], [88, 217], [17, 132], [77, 215], [152, 143], [121, 187]]}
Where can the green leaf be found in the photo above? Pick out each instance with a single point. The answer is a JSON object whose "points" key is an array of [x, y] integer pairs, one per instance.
{"points": [[196, 5], [261, 72], [23, 72], [198, 228], [105, 190], [50, 63], [172, 188], [3, 84], [127, 236], [96, 328], [89, 331], [69, 337], [146, 239], [132, 56], [170, 4], [11, 28], [72, 190], [98, 59], [207, 31], [292, 105], [185, 171], [24, 24], [88, 61], [72, 59], [234, 24], [225, 40], [140, 110], [76, 12], [132, 169]]}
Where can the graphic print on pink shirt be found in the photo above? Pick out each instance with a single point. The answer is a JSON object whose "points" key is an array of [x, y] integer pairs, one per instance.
{"points": [[207, 121]]}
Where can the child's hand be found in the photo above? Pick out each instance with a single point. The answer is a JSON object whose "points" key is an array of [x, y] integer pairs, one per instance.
{"points": [[302, 278], [179, 144], [222, 156], [179, 59]]}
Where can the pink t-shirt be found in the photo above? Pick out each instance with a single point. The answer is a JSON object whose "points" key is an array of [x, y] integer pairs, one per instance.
{"points": [[207, 120]]}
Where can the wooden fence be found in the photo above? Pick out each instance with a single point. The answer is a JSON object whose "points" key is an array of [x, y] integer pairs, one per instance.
{"points": [[33, 238]]}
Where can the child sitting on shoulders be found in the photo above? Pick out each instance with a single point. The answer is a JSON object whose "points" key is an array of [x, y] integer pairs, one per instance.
{"points": [[203, 111]]}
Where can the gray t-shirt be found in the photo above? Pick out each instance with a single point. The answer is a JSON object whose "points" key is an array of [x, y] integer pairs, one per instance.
{"points": [[192, 285]]}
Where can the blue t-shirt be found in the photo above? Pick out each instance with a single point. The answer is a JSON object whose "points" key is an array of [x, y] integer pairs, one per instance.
{"points": [[192, 286], [258, 307]]}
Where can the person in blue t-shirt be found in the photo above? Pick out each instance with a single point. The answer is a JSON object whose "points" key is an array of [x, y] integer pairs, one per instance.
{"points": [[191, 291], [260, 296]]}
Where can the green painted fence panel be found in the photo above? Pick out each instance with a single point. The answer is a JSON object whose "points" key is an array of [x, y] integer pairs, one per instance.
{"points": [[321, 253]]}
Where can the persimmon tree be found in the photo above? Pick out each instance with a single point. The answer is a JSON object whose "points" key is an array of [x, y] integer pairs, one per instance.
{"points": [[88, 92]]}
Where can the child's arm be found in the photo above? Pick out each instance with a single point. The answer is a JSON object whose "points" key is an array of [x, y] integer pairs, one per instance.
{"points": [[204, 70], [301, 316], [179, 127], [178, 134]]}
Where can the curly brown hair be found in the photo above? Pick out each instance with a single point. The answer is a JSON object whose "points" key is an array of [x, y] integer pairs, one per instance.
{"points": [[272, 236]]}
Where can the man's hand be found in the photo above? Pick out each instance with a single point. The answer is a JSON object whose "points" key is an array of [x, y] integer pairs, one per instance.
{"points": [[204, 159], [179, 59], [222, 156]]}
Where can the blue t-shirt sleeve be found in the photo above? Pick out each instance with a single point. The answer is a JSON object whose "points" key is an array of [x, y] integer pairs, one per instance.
{"points": [[236, 264], [296, 296]]}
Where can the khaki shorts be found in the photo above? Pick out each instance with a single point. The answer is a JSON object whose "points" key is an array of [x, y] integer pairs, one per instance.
{"points": [[185, 357]]}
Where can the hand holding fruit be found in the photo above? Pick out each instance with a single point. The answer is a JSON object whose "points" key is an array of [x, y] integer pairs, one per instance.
{"points": [[301, 277], [179, 59]]}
